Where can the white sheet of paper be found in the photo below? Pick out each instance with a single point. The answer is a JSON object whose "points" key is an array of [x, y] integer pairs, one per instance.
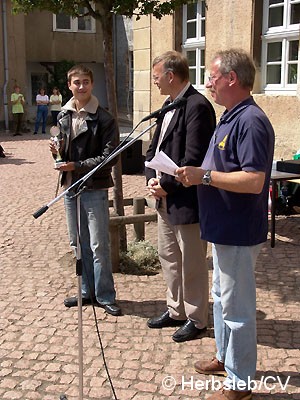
{"points": [[161, 162]]}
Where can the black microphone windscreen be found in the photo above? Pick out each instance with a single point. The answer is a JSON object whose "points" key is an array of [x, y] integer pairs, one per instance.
{"points": [[162, 111]]}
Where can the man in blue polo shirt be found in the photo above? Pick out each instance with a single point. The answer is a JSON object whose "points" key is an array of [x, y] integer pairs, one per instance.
{"points": [[233, 201]]}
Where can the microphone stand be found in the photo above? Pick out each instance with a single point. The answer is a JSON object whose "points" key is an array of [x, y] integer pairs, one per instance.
{"points": [[79, 187], [80, 181]]}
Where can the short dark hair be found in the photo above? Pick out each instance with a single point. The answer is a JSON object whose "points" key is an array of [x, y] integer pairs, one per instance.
{"points": [[175, 62], [80, 70], [240, 62]]}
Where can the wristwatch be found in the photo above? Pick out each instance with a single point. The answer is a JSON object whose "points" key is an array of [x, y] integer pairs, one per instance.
{"points": [[206, 180]]}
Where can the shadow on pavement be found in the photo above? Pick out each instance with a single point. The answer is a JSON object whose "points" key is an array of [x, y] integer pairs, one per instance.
{"points": [[9, 159], [279, 334]]}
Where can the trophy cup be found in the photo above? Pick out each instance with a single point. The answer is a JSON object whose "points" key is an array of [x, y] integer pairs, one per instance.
{"points": [[54, 132]]}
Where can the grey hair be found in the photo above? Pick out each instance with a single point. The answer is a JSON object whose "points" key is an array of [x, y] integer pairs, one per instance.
{"points": [[240, 62]]}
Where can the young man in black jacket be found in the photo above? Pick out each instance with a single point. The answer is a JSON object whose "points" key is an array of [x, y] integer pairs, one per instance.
{"points": [[88, 136]]}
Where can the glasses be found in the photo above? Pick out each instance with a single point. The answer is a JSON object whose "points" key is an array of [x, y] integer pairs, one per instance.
{"points": [[213, 79], [157, 78]]}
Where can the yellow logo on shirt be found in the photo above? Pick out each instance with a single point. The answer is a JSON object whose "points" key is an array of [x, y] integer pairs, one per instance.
{"points": [[221, 145]]}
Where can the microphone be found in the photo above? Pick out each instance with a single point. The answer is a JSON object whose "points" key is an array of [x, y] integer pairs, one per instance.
{"points": [[161, 112]]}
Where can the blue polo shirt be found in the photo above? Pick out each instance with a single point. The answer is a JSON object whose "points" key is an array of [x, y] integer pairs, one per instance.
{"points": [[243, 141]]}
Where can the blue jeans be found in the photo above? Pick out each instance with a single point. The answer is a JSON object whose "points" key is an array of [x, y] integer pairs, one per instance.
{"points": [[234, 294], [42, 114], [97, 278]]}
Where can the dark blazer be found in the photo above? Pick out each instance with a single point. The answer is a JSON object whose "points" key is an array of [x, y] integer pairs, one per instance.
{"points": [[185, 142]]}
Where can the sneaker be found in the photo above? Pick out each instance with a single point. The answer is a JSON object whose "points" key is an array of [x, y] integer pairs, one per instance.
{"points": [[231, 395], [212, 367]]}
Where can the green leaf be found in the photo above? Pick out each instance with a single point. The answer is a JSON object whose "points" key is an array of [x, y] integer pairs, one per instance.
{"points": [[99, 8]]}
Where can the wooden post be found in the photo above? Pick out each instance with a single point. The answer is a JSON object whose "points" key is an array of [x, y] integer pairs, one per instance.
{"points": [[139, 227]]}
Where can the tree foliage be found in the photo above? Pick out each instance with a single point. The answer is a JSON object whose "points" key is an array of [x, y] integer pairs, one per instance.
{"points": [[100, 8]]}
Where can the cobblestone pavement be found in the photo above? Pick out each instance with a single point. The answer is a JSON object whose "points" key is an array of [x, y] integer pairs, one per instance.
{"points": [[38, 335]]}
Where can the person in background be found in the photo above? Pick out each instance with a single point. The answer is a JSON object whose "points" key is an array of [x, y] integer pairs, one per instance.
{"points": [[42, 101], [55, 104], [184, 135], [88, 134], [17, 101], [233, 189]]}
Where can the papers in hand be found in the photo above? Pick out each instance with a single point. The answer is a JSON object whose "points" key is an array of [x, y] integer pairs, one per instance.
{"points": [[161, 162]]}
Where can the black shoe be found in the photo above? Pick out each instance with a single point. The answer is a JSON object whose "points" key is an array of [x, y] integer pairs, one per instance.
{"points": [[73, 301], [187, 332], [164, 321], [35, 133], [112, 309]]}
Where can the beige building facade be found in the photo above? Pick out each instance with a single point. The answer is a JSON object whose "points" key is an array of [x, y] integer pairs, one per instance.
{"points": [[32, 45], [269, 30], [35, 43]]}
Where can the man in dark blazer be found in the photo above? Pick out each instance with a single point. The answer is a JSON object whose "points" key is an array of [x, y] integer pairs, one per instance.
{"points": [[184, 135]]}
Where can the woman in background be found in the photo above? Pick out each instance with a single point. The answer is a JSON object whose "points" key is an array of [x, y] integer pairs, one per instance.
{"points": [[55, 104], [42, 101]]}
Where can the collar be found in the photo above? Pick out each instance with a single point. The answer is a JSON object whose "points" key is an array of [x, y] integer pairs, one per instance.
{"points": [[90, 107], [181, 94], [227, 116]]}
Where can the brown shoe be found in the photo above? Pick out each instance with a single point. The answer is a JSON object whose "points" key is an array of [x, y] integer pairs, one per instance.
{"points": [[231, 395], [212, 367]]}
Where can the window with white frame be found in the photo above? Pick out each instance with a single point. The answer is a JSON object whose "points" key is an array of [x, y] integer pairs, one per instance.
{"points": [[280, 45], [194, 40], [65, 23]]}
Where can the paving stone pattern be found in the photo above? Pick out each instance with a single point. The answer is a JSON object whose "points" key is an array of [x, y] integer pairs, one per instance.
{"points": [[38, 335]]}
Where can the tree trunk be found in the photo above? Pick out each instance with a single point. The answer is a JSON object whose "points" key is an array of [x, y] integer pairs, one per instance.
{"points": [[107, 25]]}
